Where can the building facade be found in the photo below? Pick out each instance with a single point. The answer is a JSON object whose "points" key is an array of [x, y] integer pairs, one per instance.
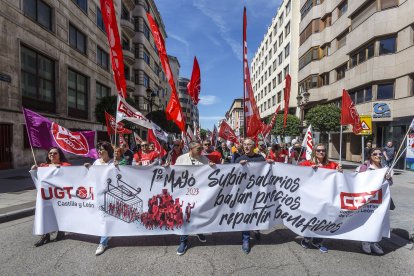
{"points": [[190, 110], [54, 59], [276, 57], [235, 116], [367, 48]]}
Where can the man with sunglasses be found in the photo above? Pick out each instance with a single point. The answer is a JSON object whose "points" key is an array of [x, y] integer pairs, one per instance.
{"points": [[209, 152], [249, 156], [194, 158], [146, 156]]}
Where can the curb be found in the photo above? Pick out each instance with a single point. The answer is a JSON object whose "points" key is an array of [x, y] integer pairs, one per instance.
{"points": [[17, 214]]}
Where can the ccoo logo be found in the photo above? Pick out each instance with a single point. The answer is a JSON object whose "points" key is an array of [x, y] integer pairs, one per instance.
{"points": [[353, 201]]}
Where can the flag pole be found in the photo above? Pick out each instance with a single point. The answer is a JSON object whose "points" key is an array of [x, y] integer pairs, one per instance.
{"points": [[395, 161], [340, 146], [402, 143], [30, 138], [363, 148], [244, 74]]}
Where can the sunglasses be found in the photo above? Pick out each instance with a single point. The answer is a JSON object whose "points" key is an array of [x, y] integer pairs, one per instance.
{"points": [[53, 153], [198, 148], [207, 145], [144, 145], [376, 154], [320, 150]]}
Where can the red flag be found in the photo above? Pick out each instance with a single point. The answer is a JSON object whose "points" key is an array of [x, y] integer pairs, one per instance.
{"points": [[349, 114], [110, 125], [227, 133], [194, 85], [173, 109], [115, 49], [214, 136], [267, 128], [252, 116], [152, 139], [286, 94]]}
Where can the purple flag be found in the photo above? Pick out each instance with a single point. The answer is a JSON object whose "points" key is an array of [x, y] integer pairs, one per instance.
{"points": [[45, 134]]}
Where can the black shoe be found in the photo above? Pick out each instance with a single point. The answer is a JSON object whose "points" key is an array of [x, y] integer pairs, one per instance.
{"points": [[60, 236], [257, 235], [246, 247], [43, 240]]}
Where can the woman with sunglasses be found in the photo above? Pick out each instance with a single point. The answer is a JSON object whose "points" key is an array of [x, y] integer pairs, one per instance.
{"points": [[105, 157], [373, 163], [54, 158], [319, 159]]}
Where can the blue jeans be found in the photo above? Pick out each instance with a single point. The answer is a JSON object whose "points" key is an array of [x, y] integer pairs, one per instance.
{"points": [[246, 236], [104, 240]]}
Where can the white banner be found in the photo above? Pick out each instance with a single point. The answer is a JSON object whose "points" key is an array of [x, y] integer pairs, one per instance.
{"points": [[128, 201]]}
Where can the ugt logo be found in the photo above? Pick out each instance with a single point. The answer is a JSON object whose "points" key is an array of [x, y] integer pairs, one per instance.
{"points": [[353, 201]]}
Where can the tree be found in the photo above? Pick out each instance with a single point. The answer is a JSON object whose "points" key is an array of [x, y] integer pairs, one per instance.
{"points": [[108, 104], [292, 126], [324, 118], [203, 134]]}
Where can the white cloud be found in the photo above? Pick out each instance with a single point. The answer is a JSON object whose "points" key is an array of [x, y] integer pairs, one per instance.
{"points": [[222, 25], [208, 99]]}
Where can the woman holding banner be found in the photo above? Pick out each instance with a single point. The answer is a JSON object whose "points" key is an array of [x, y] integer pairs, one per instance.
{"points": [[54, 158], [106, 157], [319, 159], [374, 163]]}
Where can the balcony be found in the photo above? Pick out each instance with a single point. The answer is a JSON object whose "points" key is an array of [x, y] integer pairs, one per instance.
{"points": [[130, 4], [129, 56], [130, 84], [127, 26]]}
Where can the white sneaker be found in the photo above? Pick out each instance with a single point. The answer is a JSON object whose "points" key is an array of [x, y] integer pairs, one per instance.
{"points": [[376, 248], [366, 247], [101, 249]]}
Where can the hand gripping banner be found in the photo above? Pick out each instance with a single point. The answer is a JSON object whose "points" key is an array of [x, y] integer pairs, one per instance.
{"points": [[132, 201]]}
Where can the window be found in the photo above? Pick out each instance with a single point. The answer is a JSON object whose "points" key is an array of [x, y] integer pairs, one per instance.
{"points": [[146, 31], [288, 7], [102, 91], [38, 11], [279, 78], [309, 83], [268, 103], [146, 80], [279, 96], [368, 9], [306, 8], [124, 12], [275, 47], [385, 91], [99, 20], [274, 82], [340, 71], [368, 94], [102, 58], [327, 21], [77, 39], [386, 4], [274, 65], [287, 49], [286, 71], [326, 50], [324, 79], [341, 40], [146, 57], [280, 58], [342, 8], [308, 57], [387, 46], [273, 100], [127, 72], [313, 27], [287, 29], [125, 43], [281, 39], [38, 80], [82, 4], [77, 95]]}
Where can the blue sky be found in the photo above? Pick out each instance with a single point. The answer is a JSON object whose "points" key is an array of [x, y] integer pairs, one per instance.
{"points": [[212, 31]]}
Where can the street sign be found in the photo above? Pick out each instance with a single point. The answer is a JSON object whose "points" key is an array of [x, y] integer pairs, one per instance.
{"points": [[366, 122]]}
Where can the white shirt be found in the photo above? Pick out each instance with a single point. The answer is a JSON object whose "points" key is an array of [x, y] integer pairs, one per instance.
{"points": [[99, 162], [186, 159]]}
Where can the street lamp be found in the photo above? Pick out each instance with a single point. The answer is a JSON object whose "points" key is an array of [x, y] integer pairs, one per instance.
{"points": [[303, 99], [150, 98]]}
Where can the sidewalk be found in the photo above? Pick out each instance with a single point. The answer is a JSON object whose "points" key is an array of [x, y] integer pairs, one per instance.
{"points": [[17, 204]]}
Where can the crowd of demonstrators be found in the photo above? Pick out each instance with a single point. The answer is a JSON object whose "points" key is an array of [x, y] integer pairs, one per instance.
{"points": [[319, 159], [204, 153], [374, 163], [54, 158]]}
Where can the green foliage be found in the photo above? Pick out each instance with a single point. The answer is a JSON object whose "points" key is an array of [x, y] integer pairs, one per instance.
{"points": [[203, 134], [160, 119], [292, 126], [108, 104], [324, 118]]}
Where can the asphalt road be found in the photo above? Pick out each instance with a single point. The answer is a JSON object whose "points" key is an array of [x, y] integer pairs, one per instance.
{"points": [[277, 253]]}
